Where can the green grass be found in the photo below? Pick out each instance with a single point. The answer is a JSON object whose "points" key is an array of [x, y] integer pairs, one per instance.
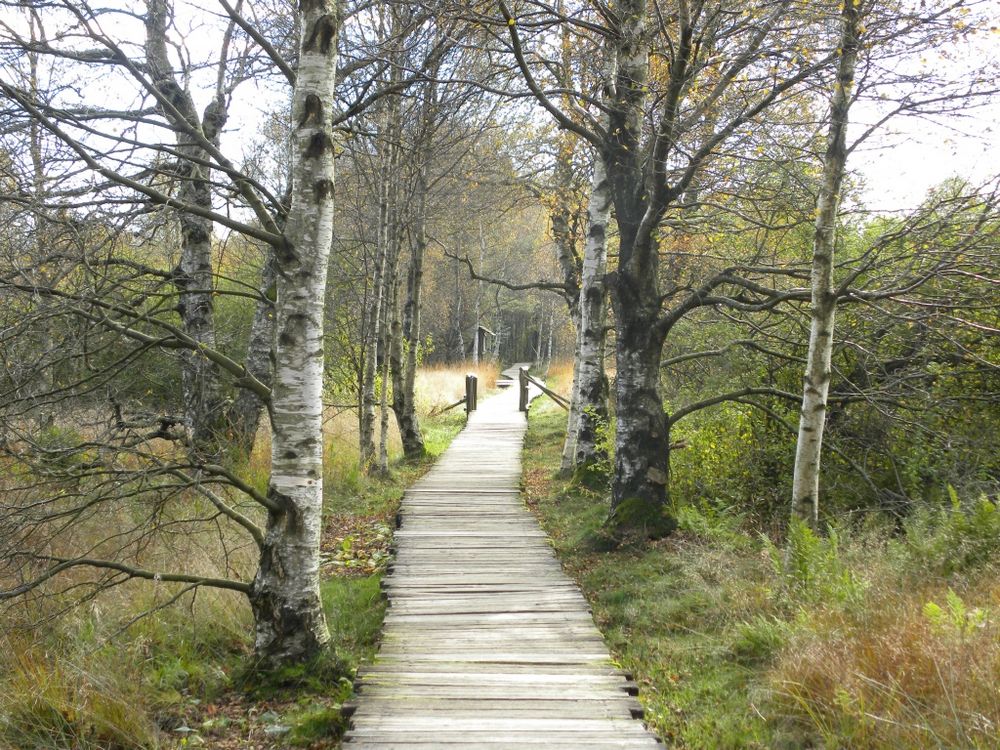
{"points": [[666, 619], [850, 640], [355, 609]]}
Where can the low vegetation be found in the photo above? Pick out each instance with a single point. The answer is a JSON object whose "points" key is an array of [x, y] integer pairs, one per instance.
{"points": [[149, 666], [880, 635]]}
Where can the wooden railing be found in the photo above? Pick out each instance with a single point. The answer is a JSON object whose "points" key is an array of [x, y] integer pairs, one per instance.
{"points": [[524, 379], [470, 400]]}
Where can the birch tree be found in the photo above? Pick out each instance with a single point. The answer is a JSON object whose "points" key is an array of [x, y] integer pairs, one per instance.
{"points": [[874, 35], [285, 591], [127, 165], [664, 125], [818, 372], [591, 389]]}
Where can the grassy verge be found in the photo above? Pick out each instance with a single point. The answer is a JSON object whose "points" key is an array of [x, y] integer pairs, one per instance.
{"points": [[98, 677], [871, 638]]}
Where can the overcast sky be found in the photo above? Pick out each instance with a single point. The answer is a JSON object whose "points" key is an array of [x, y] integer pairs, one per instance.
{"points": [[910, 155]]}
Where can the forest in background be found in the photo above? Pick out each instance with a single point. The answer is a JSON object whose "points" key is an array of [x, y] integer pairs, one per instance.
{"points": [[242, 247]]}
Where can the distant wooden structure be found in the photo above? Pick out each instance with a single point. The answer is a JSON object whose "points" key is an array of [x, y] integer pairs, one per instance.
{"points": [[512, 375], [479, 343], [487, 644]]}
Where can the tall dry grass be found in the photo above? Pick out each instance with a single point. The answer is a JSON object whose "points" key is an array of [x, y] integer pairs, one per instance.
{"points": [[117, 670], [437, 387], [441, 385], [559, 376], [915, 667]]}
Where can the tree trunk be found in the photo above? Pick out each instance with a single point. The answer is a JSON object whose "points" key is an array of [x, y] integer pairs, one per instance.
{"points": [[477, 311], [45, 374], [285, 596], [245, 412], [549, 340], [405, 371], [372, 322], [200, 381], [498, 325], [459, 336], [569, 265], [808, 449], [593, 385], [391, 295], [394, 238], [642, 439], [568, 460], [409, 426]]}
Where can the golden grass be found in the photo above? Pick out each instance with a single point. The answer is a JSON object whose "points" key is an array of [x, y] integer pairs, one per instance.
{"points": [[61, 704], [438, 386], [559, 377], [896, 676]]}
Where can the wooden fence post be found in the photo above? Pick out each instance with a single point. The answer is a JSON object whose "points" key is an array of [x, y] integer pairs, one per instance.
{"points": [[470, 393], [522, 377]]}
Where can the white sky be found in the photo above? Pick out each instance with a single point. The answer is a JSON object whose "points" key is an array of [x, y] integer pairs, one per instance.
{"points": [[898, 166], [910, 155]]}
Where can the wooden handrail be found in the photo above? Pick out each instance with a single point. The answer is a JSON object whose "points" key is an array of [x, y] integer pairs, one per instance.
{"points": [[525, 378], [561, 400]]}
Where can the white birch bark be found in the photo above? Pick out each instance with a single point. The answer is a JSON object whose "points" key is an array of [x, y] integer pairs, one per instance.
{"points": [[568, 460], [812, 420], [477, 314], [548, 343], [569, 264], [460, 337], [391, 295], [290, 623]]}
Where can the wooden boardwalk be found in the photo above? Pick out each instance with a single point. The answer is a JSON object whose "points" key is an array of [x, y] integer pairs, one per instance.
{"points": [[487, 644]]}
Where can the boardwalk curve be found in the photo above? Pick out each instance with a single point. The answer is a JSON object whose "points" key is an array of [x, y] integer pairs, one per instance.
{"points": [[487, 643]]}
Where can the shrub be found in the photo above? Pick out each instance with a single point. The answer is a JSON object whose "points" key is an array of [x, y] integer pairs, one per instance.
{"points": [[812, 568], [897, 675], [954, 539]]}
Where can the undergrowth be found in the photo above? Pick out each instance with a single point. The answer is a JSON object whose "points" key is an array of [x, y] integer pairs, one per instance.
{"points": [[863, 637], [132, 669]]}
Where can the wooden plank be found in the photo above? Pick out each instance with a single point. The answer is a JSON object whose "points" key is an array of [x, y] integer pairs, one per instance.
{"points": [[502, 725], [477, 740], [458, 709], [487, 644], [491, 744]]}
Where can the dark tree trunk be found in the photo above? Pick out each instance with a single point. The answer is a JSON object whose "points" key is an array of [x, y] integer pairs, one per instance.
{"points": [[193, 277], [407, 341], [642, 438]]}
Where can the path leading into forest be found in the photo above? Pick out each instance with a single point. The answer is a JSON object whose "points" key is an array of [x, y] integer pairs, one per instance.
{"points": [[487, 643]]}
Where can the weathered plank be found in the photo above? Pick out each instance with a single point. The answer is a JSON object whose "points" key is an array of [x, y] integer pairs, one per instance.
{"points": [[487, 644]]}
